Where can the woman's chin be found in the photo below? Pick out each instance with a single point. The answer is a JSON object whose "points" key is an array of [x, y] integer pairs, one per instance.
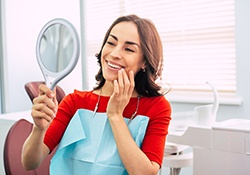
{"points": [[110, 78]]}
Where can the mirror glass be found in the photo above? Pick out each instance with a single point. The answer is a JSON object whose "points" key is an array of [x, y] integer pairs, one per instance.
{"points": [[57, 50]]}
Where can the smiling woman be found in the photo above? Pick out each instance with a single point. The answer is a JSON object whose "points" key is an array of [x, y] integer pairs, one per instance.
{"points": [[126, 110], [198, 40]]}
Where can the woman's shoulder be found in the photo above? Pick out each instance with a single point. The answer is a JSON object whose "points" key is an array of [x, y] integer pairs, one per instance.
{"points": [[156, 105], [158, 100]]}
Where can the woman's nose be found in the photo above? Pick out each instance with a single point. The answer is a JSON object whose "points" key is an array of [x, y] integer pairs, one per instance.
{"points": [[116, 53]]}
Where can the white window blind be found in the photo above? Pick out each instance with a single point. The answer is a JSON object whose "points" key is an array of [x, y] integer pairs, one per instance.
{"points": [[198, 38]]}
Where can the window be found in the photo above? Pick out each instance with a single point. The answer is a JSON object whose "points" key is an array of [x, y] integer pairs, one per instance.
{"points": [[198, 39]]}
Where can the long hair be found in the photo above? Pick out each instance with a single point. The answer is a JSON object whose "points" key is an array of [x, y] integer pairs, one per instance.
{"points": [[151, 46]]}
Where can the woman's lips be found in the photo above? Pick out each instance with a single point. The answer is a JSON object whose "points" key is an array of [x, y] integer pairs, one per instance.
{"points": [[114, 66]]}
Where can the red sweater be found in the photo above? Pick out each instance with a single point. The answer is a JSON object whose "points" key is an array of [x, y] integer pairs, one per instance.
{"points": [[157, 109]]}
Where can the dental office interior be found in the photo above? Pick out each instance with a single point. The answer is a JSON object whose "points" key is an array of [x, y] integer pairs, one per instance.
{"points": [[210, 129]]}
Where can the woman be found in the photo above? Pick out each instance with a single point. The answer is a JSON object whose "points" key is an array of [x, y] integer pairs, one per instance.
{"points": [[120, 127]]}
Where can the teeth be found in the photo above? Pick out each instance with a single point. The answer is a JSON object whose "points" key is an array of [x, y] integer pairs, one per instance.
{"points": [[114, 66]]}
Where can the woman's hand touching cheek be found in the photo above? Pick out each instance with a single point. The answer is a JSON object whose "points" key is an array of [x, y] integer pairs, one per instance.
{"points": [[123, 89]]}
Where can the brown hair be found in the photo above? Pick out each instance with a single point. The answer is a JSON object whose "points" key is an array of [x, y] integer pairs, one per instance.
{"points": [[152, 54]]}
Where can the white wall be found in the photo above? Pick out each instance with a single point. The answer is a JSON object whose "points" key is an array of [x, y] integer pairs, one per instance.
{"points": [[243, 68], [22, 22]]}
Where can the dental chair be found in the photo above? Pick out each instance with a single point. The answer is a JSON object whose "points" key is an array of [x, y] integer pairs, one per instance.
{"points": [[33, 91], [13, 149]]}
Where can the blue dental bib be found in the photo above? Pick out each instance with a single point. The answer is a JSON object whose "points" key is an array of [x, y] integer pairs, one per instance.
{"points": [[88, 146]]}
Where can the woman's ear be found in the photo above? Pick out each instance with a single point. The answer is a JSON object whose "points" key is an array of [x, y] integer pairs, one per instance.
{"points": [[144, 65]]}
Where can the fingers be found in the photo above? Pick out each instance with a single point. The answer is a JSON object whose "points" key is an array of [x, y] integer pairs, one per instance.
{"points": [[132, 82], [43, 89], [44, 99], [45, 105], [125, 82], [54, 99], [42, 112], [116, 87]]}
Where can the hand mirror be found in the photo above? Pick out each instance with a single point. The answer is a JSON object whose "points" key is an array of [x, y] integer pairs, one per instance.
{"points": [[57, 50]]}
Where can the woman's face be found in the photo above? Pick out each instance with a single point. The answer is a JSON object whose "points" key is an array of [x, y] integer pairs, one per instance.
{"points": [[122, 50]]}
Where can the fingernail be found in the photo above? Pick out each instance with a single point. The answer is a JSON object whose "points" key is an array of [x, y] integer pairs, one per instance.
{"points": [[51, 94]]}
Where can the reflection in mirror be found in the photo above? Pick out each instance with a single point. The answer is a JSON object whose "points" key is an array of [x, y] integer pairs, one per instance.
{"points": [[56, 48]]}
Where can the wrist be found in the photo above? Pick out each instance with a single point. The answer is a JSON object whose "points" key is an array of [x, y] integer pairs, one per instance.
{"points": [[115, 117], [37, 130]]}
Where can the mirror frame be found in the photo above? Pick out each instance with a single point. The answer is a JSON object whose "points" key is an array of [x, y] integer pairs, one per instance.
{"points": [[52, 78]]}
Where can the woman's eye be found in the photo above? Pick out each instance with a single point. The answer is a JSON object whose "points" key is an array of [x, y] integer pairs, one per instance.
{"points": [[130, 50], [110, 43]]}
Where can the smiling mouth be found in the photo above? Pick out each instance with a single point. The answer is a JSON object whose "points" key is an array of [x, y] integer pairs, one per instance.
{"points": [[114, 66]]}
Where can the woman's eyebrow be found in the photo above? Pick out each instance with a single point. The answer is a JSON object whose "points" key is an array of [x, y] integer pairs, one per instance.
{"points": [[127, 42]]}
